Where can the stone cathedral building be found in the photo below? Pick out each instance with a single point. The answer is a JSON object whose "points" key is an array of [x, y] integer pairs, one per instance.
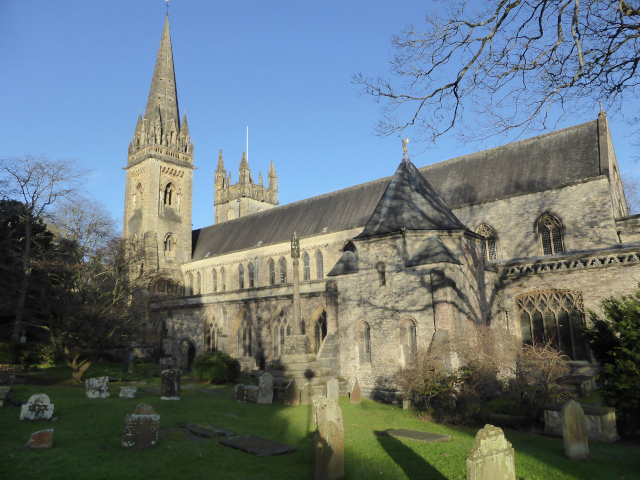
{"points": [[526, 237]]}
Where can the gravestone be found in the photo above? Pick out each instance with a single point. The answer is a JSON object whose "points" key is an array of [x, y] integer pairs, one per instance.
{"points": [[328, 444], [239, 393], [97, 387], [492, 456], [574, 431], [5, 395], [292, 393], [251, 393], [326, 410], [38, 407], [316, 402], [306, 393], [265, 389], [333, 389], [170, 388], [127, 361], [354, 395], [128, 392], [42, 440], [141, 428]]}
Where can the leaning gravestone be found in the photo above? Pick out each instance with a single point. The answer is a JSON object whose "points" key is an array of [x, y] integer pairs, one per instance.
{"points": [[492, 456], [355, 396], [306, 393], [574, 431], [42, 440], [265, 388], [333, 389], [38, 407], [97, 387], [128, 392], [141, 428], [170, 389], [292, 393]]}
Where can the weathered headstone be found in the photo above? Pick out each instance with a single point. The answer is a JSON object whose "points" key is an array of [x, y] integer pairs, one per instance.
{"points": [[328, 443], [170, 388], [292, 393], [316, 402], [5, 395], [251, 393], [574, 431], [306, 393], [128, 392], [127, 361], [492, 456], [41, 440], [239, 393], [265, 392], [333, 389], [326, 410], [141, 428], [354, 395], [97, 387], [38, 407]]}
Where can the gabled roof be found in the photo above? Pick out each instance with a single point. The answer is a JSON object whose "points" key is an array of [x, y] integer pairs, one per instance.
{"points": [[532, 165], [432, 250], [348, 263], [409, 203]]}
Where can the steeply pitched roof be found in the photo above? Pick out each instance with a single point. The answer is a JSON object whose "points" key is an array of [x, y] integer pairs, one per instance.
{"points": [[432, 250], [531, 165], [409, 203]]}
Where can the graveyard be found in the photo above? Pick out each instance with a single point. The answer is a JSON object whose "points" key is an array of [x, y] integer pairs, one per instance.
{"points": [[380, 441]]}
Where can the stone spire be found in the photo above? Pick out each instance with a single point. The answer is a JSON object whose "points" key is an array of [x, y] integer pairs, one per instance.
{"points": [[163, 95], [245, 172], [273, 184]]}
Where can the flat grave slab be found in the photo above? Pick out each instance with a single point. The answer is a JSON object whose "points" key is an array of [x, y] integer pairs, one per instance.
{"points": [[417, 435], [207, 430], [257, 446]]}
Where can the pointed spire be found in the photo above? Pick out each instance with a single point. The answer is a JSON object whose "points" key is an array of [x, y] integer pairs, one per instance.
{"points": [[272, 170], [220, 162], [138, 125], [244, 163], [260, 179], [184, 128], [163, 95]]}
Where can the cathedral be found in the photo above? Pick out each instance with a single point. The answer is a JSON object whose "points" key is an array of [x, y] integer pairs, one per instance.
{"points": [[351, 284]]}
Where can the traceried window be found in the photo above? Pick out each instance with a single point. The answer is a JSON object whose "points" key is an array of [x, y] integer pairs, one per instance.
{"points": [[241, 276], [244, 338], [489, 251], [252, 276], [283, 270], [320, 331], [211, 335], [306, 267], [272, 272], [214, 280], [319, 265], [382, 274], [281, 330], [223, 280], [169, 193], [550, 233], [555, 316], [169, 244]]}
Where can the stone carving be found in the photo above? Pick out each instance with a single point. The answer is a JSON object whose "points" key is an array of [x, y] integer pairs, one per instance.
{"points": [[128, 392], [141, 428], [38, 407], [170, 389], [41, 440], [265, 392], [97, 387], [306, 393], [354, 395], [574, 431], [333, 389], [292, 393], [492, 456]]}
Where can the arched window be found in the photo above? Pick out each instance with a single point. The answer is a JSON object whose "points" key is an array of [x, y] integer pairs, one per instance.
{"points": [[134, 242], [319, 265], [367, 343], [306, 267], [382, 274], [241, 276], [407, 341], [550, 232], [320, 331], [223, 280], [211, 336], [168, 193], [188, 284], [214, 280], [169, 244], [231, 214], [272, 272], [363, 341], [283, 270], [281, 330], [197, 288], [252, 277], [244, 338], [489, 251]]}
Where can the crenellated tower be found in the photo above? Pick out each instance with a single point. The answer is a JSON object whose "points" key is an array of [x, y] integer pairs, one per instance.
{"points": [[245, 197], [159, 185]]}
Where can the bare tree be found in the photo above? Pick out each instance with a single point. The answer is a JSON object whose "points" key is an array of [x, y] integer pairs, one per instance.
{"points": [[509, 62], [631, 193], [37, 183]]}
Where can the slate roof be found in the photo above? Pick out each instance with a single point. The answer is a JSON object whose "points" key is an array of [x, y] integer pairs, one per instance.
{"points": [[432, 250], [531, 165]]}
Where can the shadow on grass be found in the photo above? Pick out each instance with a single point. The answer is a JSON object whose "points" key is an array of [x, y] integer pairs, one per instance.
{"points": [[413, 465]]}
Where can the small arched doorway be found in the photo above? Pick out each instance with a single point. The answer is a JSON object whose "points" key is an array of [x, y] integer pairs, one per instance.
{"points": [[320, 330], [187, 354]]}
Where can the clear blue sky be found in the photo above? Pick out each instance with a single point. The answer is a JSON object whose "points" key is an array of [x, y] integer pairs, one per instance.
{"points": [[75, 74]]}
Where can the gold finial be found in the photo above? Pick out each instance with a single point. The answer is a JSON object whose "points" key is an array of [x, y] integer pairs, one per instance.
{"points": [[404, 145]]}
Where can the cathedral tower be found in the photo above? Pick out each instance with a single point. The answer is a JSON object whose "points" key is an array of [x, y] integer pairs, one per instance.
{"points": [[245, 197], [157, 207]]}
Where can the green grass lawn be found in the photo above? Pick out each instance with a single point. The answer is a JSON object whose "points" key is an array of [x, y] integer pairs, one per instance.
{"points": [[88, 434]]}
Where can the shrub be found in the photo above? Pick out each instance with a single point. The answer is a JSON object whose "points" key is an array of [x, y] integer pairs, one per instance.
{"points": [[216, 367], [615, 342]]}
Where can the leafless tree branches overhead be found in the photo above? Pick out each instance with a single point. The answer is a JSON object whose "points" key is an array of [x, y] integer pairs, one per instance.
{"points": [[508, 62]]}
